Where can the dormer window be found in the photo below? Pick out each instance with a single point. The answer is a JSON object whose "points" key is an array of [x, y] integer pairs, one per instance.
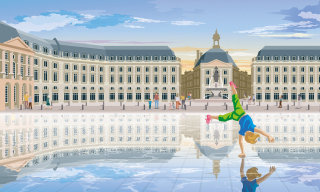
{"points": [[92, 57], [84, 56], [75, 55], [294, 58], [100, 57], [35, 46], [311, 58], [66, 54], [173, 58], [120, 58], [267, 58], [276, 58], [147, 58], [45, 49], [129, 58], [111, 58], [155, 58], [285, 58], [55, 52], [138, 58], [26, 42], [164, 58], [302, 58]]}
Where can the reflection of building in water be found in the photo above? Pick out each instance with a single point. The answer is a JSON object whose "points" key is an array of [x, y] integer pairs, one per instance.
{"points": [[52, 140], [215, 140], [296, 136]]}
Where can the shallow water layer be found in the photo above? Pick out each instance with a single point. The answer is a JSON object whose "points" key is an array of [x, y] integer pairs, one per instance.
{"points": [[153, 152]]}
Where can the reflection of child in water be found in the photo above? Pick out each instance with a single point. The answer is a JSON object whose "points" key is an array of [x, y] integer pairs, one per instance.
{"points": [[248, 130], [253, 178]]}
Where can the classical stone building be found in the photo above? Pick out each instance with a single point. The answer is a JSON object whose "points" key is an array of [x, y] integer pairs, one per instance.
{"points": [[79, 73], [287, 71], [16, 76], [214, 62]]}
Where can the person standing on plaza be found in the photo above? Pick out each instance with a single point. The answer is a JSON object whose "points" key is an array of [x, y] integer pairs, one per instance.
{"points": [[183, 99], [48, 105], [26, 98], [150, 103], [177, 102], [254, 99], [30, 102], [299, 101], [156, 100], [280, 103]]}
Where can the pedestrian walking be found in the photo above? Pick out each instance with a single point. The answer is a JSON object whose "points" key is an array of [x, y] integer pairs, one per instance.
{"points": [[30, 102], [280, 103], [183, 100], [26, 100], [254, 99], [156, 100], [150, 103], [177, 102]]}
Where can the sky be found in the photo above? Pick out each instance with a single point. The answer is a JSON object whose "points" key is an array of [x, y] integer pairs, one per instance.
{"points": [[245, 26]]}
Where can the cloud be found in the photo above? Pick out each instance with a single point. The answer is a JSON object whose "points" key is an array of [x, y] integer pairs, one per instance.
{"points": [[186, 23], [288, 36], [299, 22], [134, 26], [144, 20], [53, 20]]}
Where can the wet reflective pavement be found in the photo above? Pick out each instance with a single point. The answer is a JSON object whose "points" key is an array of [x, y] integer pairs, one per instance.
{"points": [[153, 152]]}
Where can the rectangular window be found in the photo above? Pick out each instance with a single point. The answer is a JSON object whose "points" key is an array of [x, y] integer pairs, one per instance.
{"points": [[267, 78], [173, 69], [45, 76], [165, 96], [55, 65], [285, 79], [147, 78], [101, 96], [276, 96], [66, 66], [311, 78], [259, 79], [302, 78], [83, 78], [112, 96], [293, 96], [75, 78], [66, 77], [164, 69], [267, 96], [164, 79], [92, 96], [83, 96], [129, 79], [92, 78], [55, 76], [311, 96], [66, 96], [120, 96], [146, 96], [112, 79], [294, 79], [120, 79], [138, 96], [138, 79], [173, 96], [75, 97], [155, 79], [55, 96], [45, 63], [36, 98], [129, 96], [173, 79], [259, 96], [276, 79], [35, 75], [101, 79]]}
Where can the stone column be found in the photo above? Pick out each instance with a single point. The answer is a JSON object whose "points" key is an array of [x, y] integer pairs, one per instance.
{"points": [[3, 63], [19, 67], [31, 67], [26, 67], [11, 65]]}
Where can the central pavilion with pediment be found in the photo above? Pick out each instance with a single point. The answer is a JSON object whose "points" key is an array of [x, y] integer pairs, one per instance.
{"points": [[215, 69]]}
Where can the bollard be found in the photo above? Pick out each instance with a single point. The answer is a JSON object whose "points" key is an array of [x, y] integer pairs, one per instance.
{"points": [[41, 106], [138, 103], [308, 107], [190, 103], [259, 103], [185, 107], [144, 106], [288, 107], [20, 107], [82, 107], [247, 107], [123, 107], [86, 103], [69, 103], [205, 107], [294, 103], [164, 107], [224, 104], [276, 103], [207, 103], [226, 107], [120, 103], [102, 107], [61, 106], [267, 106]]}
